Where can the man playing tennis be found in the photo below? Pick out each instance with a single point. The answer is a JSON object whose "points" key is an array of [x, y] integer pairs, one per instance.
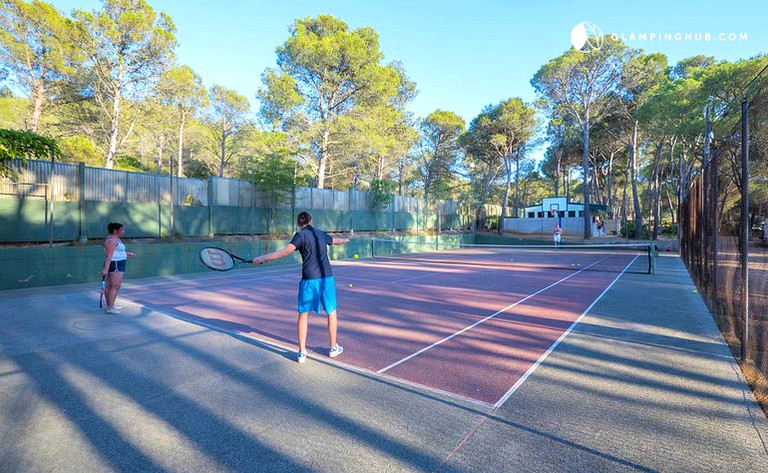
{"points": [[317, 288]]}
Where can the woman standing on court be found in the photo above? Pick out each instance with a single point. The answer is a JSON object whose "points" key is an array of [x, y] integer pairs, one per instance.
{"points": [[317, 289], [114, 264]]}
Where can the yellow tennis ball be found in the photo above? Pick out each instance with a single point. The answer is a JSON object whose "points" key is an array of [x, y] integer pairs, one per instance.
{"points": [[350, 284], [695, 291], [355, 256]]}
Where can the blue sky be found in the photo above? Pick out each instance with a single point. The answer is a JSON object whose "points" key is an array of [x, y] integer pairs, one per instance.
{"points": [[463, 55]]}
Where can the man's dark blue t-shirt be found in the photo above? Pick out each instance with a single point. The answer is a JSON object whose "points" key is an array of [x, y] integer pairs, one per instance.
{"points": [[313, 246]]}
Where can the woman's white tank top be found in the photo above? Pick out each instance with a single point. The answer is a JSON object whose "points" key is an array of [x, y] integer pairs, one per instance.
{"points": [[119, 254]]}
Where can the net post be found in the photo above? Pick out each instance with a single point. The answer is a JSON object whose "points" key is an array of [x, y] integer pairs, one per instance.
{"points": [[653, 253]]}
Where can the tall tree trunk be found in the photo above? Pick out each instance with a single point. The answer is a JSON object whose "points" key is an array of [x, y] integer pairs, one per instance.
{"points": [[115, 129], [517, 187], [115, 125], [610, 202], [657, 189], [37, 112], [505, 204], [671, 205], [597, 192], [324, 155], [180, 161], [160, 148], [624, 205], [633, 178], [559, 158], [223, 155], [585, 164]]}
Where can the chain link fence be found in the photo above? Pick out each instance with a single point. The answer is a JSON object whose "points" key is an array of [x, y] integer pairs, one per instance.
{"points": [[723, 230]]}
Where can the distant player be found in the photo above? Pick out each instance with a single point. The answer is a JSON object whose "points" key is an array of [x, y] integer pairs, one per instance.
{"points": [[317, 289], [557, 235]]}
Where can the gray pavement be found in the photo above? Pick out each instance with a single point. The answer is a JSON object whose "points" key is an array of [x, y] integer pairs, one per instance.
{"points": [[643, 383]]}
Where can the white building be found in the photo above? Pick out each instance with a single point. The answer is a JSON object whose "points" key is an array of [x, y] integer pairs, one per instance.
{"points": [[550, 205], [542, 218]]}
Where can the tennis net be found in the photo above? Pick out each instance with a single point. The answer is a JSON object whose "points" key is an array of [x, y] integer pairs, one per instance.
{"points": [[632, 258]]}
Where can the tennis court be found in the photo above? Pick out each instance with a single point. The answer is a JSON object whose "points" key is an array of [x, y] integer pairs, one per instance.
{"points": [[449, 365], [470, 321]]}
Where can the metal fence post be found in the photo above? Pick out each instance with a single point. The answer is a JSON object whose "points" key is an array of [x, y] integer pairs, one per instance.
{"points": [[82, 228], [715, 222], [51, 192], [210, 207], [745, 227]]}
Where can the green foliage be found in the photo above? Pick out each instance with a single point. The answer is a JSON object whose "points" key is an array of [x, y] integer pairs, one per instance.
{"points": [[20, 145], [439, 150], [13, 111], [130, 163], [197, 169], [629, 229], [128, 46], [273, 173], [37, 49], [327, 73], [227, 126], [381, 191], [76, 149]]}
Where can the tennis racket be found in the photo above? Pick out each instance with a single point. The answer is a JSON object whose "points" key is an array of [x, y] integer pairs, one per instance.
{"points": [[219, 259], [103, 286]]}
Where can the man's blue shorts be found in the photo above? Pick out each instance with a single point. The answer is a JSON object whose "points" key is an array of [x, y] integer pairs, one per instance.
{"points": [[315, 294]]}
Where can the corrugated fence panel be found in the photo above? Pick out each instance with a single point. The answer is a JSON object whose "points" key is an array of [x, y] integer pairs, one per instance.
{"points": [[303, 198], [141, 188], [115, 189], [192, 192]]}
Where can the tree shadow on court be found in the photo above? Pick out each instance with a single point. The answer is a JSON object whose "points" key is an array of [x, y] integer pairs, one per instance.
{"points": [[154, 370]]}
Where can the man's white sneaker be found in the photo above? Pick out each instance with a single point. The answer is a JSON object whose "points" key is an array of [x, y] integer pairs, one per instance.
{"points": [[301, 357], [335, 351], [113, 310]]}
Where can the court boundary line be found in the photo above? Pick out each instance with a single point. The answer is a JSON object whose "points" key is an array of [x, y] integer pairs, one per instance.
{"points": [[530, 371], [546, 354], [494, 315], [330, 361]]}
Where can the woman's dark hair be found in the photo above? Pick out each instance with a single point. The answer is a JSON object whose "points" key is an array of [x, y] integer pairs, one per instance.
{"points": [[113, 227], [303, 219]]}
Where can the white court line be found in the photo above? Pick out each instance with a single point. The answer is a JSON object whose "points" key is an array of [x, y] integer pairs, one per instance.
{"points": [[449, 337], [310, 355], [557, 342]]}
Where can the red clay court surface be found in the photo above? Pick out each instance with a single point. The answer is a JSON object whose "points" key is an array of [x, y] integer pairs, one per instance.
{"points": [[467, 330]]}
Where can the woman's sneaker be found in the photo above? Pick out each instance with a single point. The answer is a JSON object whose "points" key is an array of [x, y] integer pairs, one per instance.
{"points": [[335, 351], [113, 310], [301, 357]]}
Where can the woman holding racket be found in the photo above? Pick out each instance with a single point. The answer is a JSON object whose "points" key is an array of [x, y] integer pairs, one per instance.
{"points": [[114, 264], [317, 288]]}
